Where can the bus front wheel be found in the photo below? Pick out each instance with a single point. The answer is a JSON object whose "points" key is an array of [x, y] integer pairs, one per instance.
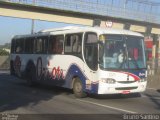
{"points": [[78, 89]]}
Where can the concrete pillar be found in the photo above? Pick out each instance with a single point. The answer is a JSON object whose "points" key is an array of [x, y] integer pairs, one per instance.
{"points": [[158, 51], [96, 22], [148, 30], [149, 49], [127, 26], [149, 44], [154, 52]]}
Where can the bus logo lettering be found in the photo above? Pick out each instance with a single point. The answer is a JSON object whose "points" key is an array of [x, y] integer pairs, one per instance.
{"points": [[141, 74], [57, 73]]}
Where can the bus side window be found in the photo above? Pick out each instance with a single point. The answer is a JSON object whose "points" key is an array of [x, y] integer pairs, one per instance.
{"points": [[77, 44], [56, 44], [29, 45], [19, 47], [68, 44], [73, 44], [41, 44], [38, 45]]}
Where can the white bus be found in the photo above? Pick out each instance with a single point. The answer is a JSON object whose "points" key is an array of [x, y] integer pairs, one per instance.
{"points": [[85, 59]]}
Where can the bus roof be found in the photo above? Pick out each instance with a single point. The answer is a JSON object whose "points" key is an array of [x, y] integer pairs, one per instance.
{"points": [[77, 29]]}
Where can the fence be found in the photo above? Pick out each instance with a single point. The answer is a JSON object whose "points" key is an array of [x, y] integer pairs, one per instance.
{"points": [[127, 9], [4, 62], [3, 52]]}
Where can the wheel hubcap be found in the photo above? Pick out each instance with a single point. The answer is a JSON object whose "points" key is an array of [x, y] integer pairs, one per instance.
{"points": [[78, 87]]}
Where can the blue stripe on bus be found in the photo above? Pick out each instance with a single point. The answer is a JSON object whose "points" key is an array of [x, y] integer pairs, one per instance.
{"points": [[139, 73], [75, 70]]}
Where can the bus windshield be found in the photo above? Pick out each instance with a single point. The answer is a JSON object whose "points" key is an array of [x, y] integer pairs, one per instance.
{"points": [[122, 52]]}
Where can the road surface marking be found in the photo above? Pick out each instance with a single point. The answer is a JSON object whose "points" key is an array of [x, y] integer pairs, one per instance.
{"points": [[151, 97], [152, 89], [142, 95], [157, 98], [106, 106]]}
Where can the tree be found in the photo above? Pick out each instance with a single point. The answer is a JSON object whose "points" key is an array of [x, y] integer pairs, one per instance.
{"points": [[3, 52]]}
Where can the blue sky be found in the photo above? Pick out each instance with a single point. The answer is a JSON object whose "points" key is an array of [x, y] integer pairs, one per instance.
{"points": [[15, 26]]}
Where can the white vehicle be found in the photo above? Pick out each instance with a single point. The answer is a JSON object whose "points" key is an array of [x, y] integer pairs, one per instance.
{"points": [[85, 59]]}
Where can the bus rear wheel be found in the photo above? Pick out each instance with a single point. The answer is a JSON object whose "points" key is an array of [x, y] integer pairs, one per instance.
{"points": [[12, 71], [31, 77], [78, 89]]}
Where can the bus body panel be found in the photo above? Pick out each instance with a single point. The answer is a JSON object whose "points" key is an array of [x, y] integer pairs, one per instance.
{"points": [[61, 69]]}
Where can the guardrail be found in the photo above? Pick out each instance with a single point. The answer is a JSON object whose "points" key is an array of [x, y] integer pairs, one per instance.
{"points": [[100, 7], [4, 62]]}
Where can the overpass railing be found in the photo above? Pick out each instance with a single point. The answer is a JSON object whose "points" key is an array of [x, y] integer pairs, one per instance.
{"points": [[119, 9]]}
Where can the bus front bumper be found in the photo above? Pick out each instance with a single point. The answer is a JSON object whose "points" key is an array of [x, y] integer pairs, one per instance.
{"points": [[118, 88]]}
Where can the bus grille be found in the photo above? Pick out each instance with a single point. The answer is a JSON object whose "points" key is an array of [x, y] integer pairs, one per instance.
{"points": [[126, 82], [126, 88]]}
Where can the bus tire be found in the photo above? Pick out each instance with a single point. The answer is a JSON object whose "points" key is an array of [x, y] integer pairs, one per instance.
{"points": [[12, 71], [78, 89], [31, 77]]}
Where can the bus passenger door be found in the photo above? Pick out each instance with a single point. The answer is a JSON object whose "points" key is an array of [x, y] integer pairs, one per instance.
{"points": [[91, 57]]}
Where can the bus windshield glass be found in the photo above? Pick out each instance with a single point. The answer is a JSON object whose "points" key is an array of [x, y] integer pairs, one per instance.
{"points": [[122, 52]]}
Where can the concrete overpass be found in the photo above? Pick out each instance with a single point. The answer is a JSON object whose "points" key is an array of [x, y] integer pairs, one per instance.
{"points": [[148, 24], [33, 11]]}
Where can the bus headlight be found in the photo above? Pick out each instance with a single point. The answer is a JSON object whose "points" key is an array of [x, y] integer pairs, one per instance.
{"points": [[108, 80]]}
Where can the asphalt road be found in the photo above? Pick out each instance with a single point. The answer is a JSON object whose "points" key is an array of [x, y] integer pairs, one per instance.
{"points": [[17, 97]]}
